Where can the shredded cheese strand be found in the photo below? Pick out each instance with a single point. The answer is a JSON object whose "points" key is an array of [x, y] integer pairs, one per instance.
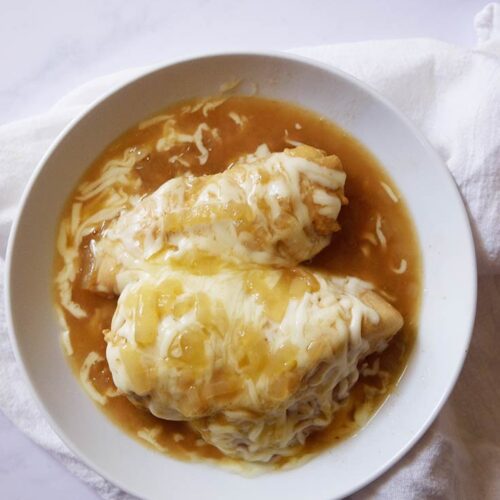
{"points": [[390, 192], [90, 360]]}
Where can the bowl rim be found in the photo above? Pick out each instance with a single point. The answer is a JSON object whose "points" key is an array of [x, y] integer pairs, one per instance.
{"points": [[147, 71]]}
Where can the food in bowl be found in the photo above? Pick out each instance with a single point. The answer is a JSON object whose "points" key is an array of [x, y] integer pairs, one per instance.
{"points": [[238, 281]]}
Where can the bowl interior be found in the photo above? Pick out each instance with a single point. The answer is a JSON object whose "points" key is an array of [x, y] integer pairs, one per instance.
{"points": [[447, 309]]}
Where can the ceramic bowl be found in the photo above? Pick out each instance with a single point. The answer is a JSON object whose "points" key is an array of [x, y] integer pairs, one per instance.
{"points": [[448, 303]]}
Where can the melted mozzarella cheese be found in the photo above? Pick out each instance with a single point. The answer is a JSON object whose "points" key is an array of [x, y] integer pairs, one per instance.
{"points": [[104, 199], [250, 355], [90, 360], [274, 209], [172, 136]]}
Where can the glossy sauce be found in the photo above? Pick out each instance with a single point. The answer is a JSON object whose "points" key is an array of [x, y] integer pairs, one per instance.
{"points": [[355, 250]]}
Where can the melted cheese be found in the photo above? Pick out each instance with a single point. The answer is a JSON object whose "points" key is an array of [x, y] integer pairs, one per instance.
{"points": [[172, 137], [238, 119], [105, 198], [65, 334], [115, 173], [212, 104], [390, 193], [113, 392], [90, 360], [401, 269], [264, 209], [179, 159], [380, 234], [198, 140], [151, 437], [247, 355], [154, 121], [66, 342]]}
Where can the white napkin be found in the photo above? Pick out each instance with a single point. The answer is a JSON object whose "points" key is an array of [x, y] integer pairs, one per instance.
{"points": [[453, 95]]}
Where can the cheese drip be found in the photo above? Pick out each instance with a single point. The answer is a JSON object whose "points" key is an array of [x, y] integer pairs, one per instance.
{"points": [[255, 358], [277, 209], [97, 201]]}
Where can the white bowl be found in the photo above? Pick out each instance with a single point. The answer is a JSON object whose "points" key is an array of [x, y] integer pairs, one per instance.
{"points": [[447, 309]]}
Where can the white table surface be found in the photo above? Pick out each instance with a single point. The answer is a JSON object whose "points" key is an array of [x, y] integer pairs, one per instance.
{"points": [[49, 47]]}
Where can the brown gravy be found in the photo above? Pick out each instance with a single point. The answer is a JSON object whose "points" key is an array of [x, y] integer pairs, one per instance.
{"points": [[351, 252]]}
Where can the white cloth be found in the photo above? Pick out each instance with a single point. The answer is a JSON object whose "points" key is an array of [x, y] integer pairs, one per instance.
{"points": [[453, 95]]}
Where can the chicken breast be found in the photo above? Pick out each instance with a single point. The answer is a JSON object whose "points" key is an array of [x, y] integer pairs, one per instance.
{"points": [[273, 209], [255, 358]]}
